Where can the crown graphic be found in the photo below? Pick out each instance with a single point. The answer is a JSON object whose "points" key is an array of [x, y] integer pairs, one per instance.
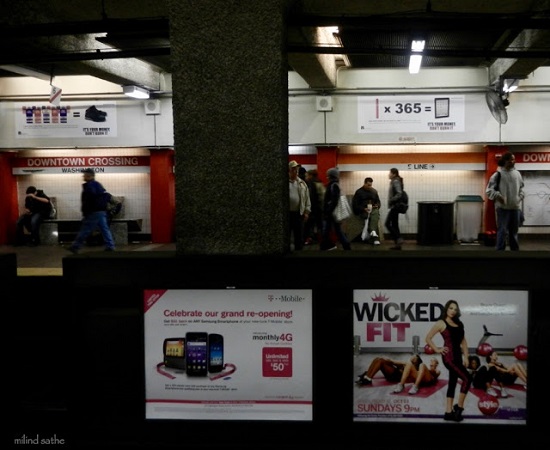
{"points": [[380, 298]]}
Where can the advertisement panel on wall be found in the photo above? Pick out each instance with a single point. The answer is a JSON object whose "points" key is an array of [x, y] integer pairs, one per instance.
{"points": [[410, 113], [75, 120], [228, 354], [399, 377]]}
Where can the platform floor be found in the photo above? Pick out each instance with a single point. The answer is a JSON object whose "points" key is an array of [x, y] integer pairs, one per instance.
{"points": [[47, 260]]}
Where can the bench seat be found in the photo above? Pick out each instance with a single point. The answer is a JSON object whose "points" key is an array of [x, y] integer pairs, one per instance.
{"points": [[52, 229]]}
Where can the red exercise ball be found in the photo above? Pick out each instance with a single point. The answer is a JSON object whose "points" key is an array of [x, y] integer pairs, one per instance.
{"points": [[484, 349], [428, 350], [488, 404], [520, 352]]}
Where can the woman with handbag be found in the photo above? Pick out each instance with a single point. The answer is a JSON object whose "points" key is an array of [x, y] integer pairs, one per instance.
{"points": [[394, 196], [330, 223]]}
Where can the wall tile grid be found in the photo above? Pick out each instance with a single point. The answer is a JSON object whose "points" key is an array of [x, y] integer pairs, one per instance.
{"points": [[437, 185], [134, 187]]}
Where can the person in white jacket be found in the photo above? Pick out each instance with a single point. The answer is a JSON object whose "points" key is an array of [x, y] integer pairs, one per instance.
{"points": [[505, 188], [299, 205]]}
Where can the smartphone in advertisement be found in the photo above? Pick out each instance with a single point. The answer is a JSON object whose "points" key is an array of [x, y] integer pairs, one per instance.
{"points": [[174, 353], [196, 352], [215, 352]]}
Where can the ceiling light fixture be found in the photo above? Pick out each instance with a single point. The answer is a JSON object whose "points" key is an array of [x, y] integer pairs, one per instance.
{"points": [[415, 60], [135, 92]]}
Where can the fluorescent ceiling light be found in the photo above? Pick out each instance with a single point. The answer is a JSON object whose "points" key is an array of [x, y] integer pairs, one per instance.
{"points": [[135, 92], [415, 60], [418, 46], [414, 63]]}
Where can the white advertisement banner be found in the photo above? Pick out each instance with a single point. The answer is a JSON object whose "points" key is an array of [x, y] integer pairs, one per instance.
{"points": [[477, 358], [228, 354], [74, 120], [410, 113]]}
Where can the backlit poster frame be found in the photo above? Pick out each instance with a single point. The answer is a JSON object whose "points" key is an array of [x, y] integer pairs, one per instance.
{"points": [[392, 324], [228, 354]]}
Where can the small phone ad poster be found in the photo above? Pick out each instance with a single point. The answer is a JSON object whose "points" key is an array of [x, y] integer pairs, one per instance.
{"points": [[228, 354], [440, 356]]}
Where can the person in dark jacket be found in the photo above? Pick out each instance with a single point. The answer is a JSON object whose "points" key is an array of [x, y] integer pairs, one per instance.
{"points": [[392, 219], [366, 205], [37, 208], [94, 200], [332, 195]]}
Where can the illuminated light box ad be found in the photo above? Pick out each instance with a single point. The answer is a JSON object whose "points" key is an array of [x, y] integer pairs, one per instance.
{"points": [[412, 358], [228, 354]]}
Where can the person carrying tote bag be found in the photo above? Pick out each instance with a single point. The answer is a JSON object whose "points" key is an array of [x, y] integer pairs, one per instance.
{"points": [[333, 194]]}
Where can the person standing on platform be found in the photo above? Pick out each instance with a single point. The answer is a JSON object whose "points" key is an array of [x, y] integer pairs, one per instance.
{"points": [[392, 219], [299, 205], [505, 188], [37, 208], [314, 224], [94, 200], [332, 195], [366, 204]]}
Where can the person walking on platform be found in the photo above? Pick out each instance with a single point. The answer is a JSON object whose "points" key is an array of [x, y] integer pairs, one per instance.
{"points": [[392, 219], [94, 200], [332, 195]]}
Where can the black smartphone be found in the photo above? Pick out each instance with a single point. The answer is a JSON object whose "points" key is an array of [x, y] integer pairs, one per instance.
{"points": [[174, 353], [196, 353], [215, 352]]}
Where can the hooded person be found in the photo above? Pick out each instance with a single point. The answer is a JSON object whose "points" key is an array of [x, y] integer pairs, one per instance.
{"points": [[332, 195]]}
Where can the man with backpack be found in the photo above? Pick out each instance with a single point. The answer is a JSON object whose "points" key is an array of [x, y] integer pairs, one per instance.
{"points": [[505, 188], [94, 200]]}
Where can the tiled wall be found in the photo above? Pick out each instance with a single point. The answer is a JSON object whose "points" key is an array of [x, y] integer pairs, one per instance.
{"points": [[135, 187], [437, 185]]}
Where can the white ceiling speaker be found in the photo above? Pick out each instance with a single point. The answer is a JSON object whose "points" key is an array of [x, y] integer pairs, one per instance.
{"points": [[151, 107], [324, 103]]}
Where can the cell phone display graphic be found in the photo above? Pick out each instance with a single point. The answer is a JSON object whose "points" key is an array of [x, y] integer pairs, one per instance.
{"points": [[442, 107], [215, 352], [174, 353], [196, 351]]}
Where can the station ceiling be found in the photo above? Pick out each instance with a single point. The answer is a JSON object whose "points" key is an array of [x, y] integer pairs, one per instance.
{"points": [[128, 41]]}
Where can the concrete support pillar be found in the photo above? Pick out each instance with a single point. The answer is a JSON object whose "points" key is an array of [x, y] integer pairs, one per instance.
{"points": [[230, 108]]}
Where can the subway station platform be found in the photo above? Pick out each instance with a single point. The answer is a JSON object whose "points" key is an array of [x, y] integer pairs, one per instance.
{"points": [[48, 260]]}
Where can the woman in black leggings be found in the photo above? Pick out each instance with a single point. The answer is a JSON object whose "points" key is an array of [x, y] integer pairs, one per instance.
{"points": [[454, 354]]}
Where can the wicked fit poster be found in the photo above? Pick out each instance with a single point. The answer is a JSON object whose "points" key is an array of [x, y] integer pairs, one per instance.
{"points": [[393, 324]]}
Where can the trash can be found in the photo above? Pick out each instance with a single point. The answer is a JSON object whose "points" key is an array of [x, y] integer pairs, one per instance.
{"points": [[469, 216], [435, 223]]}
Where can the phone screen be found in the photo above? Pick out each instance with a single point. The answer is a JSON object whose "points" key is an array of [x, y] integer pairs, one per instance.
{"points": [[174, 353], [197, 354], [215, 351]]}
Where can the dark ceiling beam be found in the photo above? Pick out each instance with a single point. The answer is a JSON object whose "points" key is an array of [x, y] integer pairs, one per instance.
{"points": [[463, 53], [134, 26], [444, 22], [40, 58]]}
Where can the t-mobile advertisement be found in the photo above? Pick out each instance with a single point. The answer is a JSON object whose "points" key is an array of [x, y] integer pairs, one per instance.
{"points": [[440, 356], [228, 354]]}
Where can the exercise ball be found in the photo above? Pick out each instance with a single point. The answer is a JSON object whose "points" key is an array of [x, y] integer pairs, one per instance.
{"points": [[520, 352], [488, 404]]}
